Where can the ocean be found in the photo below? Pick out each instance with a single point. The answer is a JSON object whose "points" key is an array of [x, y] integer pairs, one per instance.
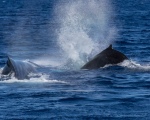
{"points": [[61, 36]]}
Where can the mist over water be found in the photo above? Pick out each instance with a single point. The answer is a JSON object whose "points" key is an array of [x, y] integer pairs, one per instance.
{"points": [[85, 29]]}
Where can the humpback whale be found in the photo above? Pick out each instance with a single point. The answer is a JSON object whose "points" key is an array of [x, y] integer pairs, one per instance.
{"points": [[20, 69], [107, 56]]}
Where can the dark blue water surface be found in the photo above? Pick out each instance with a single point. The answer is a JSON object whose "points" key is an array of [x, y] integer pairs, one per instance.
{"points": [[54, 34]]}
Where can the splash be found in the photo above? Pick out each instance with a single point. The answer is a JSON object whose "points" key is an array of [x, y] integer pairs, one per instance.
{"points": [[85, 29]]}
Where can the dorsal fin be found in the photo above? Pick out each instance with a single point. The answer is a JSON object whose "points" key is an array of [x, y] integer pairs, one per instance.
{"points": [[110, 47], [8, 62]]}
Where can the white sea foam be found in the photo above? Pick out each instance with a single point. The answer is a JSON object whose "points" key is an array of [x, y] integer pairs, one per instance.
{"points": [[134, 65], [34, 78]]}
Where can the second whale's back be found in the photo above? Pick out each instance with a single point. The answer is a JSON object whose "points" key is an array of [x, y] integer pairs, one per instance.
{"points": [[107, 56]]}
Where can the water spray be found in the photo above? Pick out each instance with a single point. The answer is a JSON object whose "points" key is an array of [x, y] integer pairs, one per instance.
{"points": [[85, 29]]}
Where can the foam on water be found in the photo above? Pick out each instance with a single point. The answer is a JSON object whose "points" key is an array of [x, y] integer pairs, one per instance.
{"points": [[134, 65], [85, 29], [42, 78], [33, 80]]}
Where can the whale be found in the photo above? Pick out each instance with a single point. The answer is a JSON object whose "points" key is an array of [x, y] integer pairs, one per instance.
{"points": [[109, 56], [20, 69]]}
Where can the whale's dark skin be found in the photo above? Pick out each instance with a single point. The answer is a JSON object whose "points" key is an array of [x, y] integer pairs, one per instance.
{"points": [[107, 56], [19, 68]]}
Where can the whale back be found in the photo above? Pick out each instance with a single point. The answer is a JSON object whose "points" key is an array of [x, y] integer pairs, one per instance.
{"points": [[107, 56], [20, 69]]}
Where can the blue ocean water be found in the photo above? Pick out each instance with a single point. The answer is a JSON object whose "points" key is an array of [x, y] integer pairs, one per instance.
{"points": [[60, 36]]}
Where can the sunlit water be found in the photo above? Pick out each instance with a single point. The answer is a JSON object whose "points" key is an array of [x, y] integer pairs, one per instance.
{"points": [[60, 36]]}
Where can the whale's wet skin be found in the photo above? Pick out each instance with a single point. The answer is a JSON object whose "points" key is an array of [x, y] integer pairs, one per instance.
{"points": [[109, 56], [61, 37], [20, 69]]}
